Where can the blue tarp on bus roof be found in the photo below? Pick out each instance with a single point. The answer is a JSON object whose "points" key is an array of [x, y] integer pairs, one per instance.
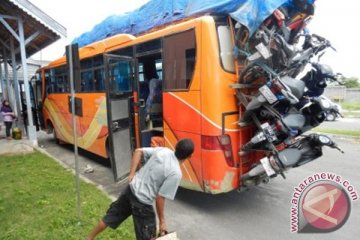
{"points": [[160, 12]]}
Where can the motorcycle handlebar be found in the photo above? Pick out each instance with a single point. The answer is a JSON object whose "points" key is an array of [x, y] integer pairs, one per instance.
{"points": [[325, 141], [322, 39]]}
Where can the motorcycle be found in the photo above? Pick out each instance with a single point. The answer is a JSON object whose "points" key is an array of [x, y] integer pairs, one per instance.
{"points": [[288, 20], [278, 93], [284, 58], [316, 79], [283, 129], [303, 151], [333, 110], [282, 89]]}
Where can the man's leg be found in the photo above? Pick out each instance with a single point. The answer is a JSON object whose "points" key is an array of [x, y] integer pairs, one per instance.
{"points": [[144, 220], [101, 226], [115, 215]]}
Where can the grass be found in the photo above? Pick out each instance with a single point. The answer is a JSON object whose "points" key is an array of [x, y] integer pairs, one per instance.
{"points": [[353, 133], [38, 201]]}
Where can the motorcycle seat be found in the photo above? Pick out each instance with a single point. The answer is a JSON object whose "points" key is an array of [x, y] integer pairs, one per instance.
{"points": [[297, 87]]}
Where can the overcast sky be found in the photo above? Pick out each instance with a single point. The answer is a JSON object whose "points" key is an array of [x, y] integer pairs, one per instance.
{"points": [[337, 22]]}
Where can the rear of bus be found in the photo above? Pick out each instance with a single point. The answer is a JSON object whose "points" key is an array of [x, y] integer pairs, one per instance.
{"points": [[221, 136], [207, 111]]}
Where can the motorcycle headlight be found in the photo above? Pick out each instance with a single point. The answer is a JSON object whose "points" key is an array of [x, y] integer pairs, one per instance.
{"points": [[324, 139], [325, 104]]}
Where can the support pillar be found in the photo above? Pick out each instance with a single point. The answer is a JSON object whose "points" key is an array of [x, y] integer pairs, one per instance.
{"points": [[15, 79], [31, 128], [2, 81], [6, 74]]}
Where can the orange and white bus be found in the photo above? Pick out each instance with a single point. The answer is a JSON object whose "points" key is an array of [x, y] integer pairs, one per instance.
{"points": [[193, 60]]}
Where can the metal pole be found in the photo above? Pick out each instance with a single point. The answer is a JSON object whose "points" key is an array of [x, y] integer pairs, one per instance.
{"points": [[2, 80], [72, 90], [15, 79], [31, 128], [6, 70]]}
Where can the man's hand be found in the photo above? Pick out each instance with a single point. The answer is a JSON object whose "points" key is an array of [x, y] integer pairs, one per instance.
{"points": [[130, 178], [135, 162], [162, 229]]}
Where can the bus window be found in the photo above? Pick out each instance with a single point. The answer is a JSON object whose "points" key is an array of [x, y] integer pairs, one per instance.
{"points": [[121, 78], [58, 80], [179, 61], [158, 64], [147, 48], [87, 81], [124, 52], [86, 64], [141, 72], [50, 81], [99, 80], [98, 61], [226, 48], [60, 84]]}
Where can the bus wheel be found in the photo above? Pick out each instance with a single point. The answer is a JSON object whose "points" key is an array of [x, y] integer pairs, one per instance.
{"points": [[107, 147], [57, 141], [51, 129]]}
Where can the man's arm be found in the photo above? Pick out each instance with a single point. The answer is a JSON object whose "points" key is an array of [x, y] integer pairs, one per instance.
{"points": [[160, 206], [135, 162]]}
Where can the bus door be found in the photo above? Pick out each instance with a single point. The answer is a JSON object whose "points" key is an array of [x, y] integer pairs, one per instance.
{"points": [[119, 79]]}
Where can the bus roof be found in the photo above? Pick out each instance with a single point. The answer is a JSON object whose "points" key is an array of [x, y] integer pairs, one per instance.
{"points": [[116, 41]]}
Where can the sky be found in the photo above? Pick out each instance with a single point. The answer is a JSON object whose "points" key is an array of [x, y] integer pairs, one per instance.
{"points": [[334, 21]]}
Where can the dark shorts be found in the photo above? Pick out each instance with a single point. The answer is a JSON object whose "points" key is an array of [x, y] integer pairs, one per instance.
{"points": [[143, 215]]}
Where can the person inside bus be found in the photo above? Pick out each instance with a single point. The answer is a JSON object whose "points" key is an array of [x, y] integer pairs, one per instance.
{"points": [[155, 89], [158, 178]]}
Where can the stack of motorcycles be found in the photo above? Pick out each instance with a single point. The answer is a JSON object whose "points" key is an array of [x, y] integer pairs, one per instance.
{"points": [[279, 90]]}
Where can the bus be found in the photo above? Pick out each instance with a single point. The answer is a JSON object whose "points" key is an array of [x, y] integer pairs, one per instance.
{"points": [[193, 59]]}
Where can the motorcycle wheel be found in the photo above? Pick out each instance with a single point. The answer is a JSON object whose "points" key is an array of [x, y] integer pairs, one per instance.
{"points": [[330, 116], [253, 75]]}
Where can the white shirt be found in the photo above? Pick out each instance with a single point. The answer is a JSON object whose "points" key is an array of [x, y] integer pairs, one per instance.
{"points": [[161, 175]]}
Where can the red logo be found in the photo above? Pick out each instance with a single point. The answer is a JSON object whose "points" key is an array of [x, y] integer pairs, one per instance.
{"points": [[325, 207]]}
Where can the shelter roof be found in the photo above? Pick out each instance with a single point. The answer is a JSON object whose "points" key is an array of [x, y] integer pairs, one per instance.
{"points": [[40, 30]]}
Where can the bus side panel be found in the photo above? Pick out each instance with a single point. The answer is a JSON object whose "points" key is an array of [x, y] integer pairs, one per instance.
{"points": [[94, 129], [189, 179], [56, 111], [182, 119]]}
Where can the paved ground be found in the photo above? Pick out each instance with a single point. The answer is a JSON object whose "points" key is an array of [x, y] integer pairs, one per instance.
{"points": [[343, 123], [260, 213], [13, 146]]}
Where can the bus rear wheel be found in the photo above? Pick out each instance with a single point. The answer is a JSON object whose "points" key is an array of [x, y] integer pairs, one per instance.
{"points": [[50, 130]]}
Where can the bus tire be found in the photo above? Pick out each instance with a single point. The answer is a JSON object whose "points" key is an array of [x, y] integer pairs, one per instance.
{"points": [[51, 129], [107, 148], [57, 141]]}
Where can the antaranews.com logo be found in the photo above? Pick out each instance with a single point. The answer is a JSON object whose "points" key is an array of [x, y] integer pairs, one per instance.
{"points": [[321, 203]]}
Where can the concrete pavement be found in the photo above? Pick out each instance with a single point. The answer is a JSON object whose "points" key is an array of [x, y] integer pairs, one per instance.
{"points": [[9, 147]]}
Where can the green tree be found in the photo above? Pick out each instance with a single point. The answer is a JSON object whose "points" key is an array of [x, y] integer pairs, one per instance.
{"points": [[351, 82]]}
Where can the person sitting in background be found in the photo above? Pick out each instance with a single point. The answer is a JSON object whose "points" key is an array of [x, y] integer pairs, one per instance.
{"points": [[154, 93], [8, 117]]}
